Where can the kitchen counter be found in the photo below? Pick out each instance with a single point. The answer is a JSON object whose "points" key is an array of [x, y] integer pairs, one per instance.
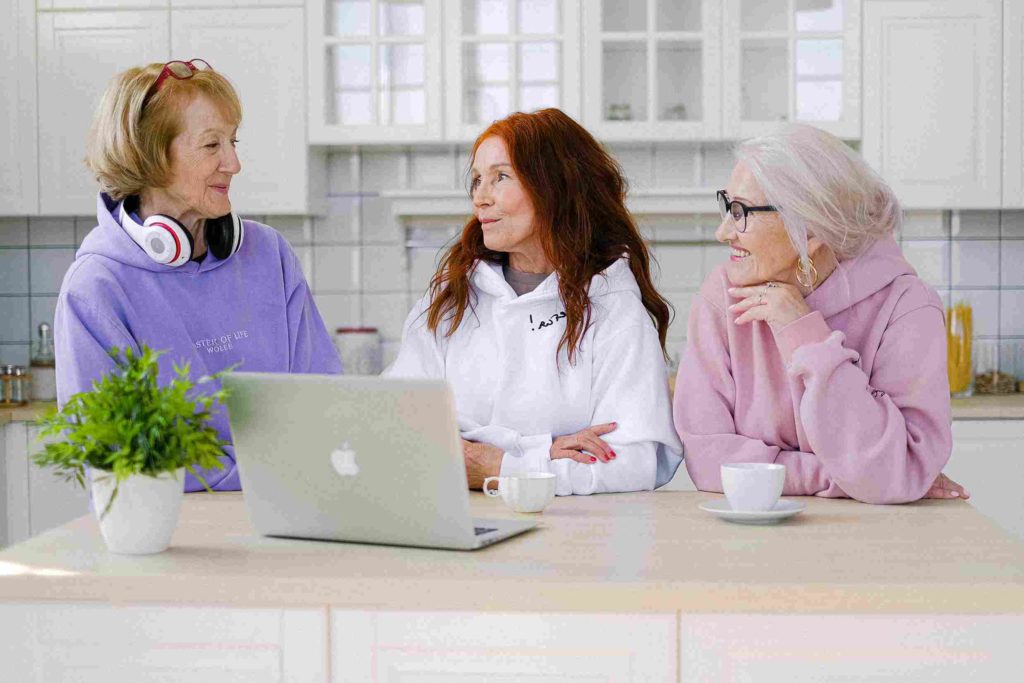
{"points": [[623, 552], [24, 413]]}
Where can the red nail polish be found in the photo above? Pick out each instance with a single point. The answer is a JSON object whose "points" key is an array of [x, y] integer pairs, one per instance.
{"points": [[613, 454], [593, 459]]}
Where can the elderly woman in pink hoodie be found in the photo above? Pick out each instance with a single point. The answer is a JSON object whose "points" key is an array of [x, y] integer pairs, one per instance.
{"points": [[816, 346]]}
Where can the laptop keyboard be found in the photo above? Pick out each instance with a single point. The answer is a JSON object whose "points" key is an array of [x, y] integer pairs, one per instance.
{"points": [[478, 530]]}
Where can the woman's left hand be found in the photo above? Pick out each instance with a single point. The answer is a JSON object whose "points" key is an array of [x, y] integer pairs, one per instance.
{"points": [[482, 460], [776, 303], [944, 487]]}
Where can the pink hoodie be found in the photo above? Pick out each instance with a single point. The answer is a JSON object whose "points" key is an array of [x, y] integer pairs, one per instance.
{"points": [[852, 398]]}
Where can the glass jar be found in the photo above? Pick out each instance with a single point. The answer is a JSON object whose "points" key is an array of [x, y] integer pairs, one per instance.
{"points": [[44, 367], [359, 348], [989, 377], [959, 332]]}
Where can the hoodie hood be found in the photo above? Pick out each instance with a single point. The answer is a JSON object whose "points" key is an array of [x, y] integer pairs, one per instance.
{"points": [[488, 279], [856, 279], [110, 240]]}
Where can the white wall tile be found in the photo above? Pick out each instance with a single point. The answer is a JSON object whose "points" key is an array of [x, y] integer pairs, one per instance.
{"points": [[378, 224], [339, 310], [975, 263], [1011, 357], [984, 309], [298, 230], [432, 170], [341, 224], [681, 228], [51, 231], [386, 170], [13, 232], [47, 268], [680, 267], [636, 166], [305, 256], [15, 354], [14, 271], [975, 224], [925, 224], [336, 269], [42, 309], [1012, 223], [930, 259], [1012, 313], [1011, 269], [14, 319], [343, 173], [674, 166], [385, 269], [718, 163], [386, 312], [462, 165], [83, 226], [422, 266]]}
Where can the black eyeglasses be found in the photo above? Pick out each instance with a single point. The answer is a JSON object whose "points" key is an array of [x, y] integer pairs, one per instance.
{"points": [[738, 210]]}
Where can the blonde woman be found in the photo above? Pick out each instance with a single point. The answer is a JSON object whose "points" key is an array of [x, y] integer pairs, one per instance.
{"points": [[169, 263], [816, 345]]}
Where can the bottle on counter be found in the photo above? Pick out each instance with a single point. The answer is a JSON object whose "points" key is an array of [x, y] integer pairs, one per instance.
{"points": [[360, 350], [44, 366]]}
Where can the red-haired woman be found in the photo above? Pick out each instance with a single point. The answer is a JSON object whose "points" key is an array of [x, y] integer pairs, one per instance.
{"points": [[544, 320]]}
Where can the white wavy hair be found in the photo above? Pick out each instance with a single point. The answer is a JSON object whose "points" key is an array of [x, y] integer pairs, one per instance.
{"points": [[822, 189]]}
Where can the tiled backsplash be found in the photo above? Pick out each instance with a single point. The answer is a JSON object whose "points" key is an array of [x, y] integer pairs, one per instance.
{"points": [[367, 267]]}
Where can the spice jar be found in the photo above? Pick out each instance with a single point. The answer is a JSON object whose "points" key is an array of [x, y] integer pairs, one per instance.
{"points": [[360, 350], [16, 382]]}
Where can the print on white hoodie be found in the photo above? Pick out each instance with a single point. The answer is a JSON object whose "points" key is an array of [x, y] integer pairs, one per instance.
{"points": [[510, 392]]}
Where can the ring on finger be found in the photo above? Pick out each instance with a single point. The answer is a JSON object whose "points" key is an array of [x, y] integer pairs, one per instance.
{"points": [[772, 284]]}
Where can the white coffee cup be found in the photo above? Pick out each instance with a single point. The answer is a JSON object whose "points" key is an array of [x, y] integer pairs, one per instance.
{"points": [[753, 486], [530, 492]]}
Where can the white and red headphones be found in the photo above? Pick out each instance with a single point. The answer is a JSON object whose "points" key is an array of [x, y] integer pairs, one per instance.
{"points": [[167, 241]]}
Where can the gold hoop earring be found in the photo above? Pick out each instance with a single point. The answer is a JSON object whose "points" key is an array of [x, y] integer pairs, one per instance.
{"points": [[806, 275]]}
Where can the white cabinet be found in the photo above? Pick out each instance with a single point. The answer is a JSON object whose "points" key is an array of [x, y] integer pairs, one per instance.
{"points": [[422, 647], [79, 52], [790, 60], [100, 4], [933, 100], [19, 177], [898, 648], [1013, 104], [374, 71], [259, 51], [35, 500], [652, 69], [988, 460], [503, 57], [93, 643]]}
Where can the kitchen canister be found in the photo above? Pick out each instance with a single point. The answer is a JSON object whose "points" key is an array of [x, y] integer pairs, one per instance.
{"points": [[44, 367], [360, 350]]}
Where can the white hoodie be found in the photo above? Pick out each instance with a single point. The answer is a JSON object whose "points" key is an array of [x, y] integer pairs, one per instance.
{"points": [[511, 393]]}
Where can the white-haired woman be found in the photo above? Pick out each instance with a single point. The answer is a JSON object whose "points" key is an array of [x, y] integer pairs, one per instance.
{"points": [[816, 345]]}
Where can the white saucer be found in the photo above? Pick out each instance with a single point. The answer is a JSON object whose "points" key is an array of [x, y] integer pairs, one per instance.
{"points": [[783, 509]]}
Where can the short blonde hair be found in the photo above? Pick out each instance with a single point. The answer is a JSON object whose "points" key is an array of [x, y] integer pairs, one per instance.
{"points": [[129, 147], [822, 189]]}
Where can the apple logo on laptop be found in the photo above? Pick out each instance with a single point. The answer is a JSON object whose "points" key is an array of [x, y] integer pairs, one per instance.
{"points": [[344, 461]]}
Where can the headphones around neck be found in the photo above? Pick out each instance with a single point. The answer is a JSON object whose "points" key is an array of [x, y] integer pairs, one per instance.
{"points": [[167, 241]]}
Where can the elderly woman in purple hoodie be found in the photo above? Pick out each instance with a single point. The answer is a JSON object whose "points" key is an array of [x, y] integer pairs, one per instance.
{"points": [[169, 263], [816, 345]]}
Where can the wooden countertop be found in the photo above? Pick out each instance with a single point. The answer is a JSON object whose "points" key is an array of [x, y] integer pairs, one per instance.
{"points": [[24, 413], [639, 552]]}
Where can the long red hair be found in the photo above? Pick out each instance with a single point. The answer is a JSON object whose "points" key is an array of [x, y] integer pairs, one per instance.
{"points": [[578, 194]]}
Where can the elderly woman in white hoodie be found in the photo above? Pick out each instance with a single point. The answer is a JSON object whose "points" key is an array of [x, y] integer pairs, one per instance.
{"points": [[544, 319]]}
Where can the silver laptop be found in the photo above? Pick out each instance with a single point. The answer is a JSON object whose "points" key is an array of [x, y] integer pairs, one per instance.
{"points": [[361, 459]]}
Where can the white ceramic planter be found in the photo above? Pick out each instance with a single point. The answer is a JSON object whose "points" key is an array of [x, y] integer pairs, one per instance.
{"points": [[144, 514]]}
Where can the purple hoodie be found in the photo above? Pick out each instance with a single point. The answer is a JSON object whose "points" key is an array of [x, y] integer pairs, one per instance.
{"points": [[253, 309]]}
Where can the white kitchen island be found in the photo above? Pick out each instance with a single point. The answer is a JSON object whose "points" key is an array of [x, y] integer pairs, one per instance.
{"points": [[627, 587]]}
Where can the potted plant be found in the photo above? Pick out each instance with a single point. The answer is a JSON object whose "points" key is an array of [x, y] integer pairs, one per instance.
{"points": [[136, 439]]}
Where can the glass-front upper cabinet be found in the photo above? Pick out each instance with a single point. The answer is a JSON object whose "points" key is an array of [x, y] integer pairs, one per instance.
{"points": [[509, 55], [375, 71], [652, 68], [791, 60]]}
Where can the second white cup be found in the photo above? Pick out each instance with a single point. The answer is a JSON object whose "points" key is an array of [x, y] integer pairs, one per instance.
{"points": [[753, 486], [530, 492]]}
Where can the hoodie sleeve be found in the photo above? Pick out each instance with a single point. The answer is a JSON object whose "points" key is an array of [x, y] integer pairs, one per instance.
{"points": [[629, 388], [82, 336], [883, 438], [311, 348], [703, 409]]}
